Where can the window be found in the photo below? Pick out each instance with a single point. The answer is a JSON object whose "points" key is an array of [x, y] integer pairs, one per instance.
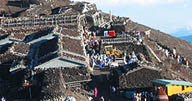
{"points": [[183, 87]]}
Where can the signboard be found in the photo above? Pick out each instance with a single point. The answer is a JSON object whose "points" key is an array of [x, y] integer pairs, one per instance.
{"points": [[112, 33]]}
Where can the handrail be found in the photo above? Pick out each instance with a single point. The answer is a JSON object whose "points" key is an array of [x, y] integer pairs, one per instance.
{"points": [[78, 81]]}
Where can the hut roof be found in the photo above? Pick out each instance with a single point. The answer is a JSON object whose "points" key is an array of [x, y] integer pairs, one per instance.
{"points": [[165, 82], [140, 77]]}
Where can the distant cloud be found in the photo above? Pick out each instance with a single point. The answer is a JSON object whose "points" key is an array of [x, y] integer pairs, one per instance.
{"points": [[125, 2], [185, 5], [189, 27]]}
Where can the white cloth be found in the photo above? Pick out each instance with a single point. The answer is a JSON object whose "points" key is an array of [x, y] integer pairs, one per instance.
{"points": [[106, 33], [114, 64], [70, 98], [166, 53], [147, 33], [174, 51], [90, 98]]}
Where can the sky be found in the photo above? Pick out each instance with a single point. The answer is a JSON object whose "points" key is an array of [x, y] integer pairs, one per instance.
{"points": [[165, 15]]}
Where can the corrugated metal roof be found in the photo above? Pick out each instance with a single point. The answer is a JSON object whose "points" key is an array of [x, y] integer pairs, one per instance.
{"points": [[61, 62], [171, 82]]}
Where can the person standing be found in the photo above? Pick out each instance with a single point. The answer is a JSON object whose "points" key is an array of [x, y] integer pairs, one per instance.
{"points": [[174, 52], [178, 58], [139, 36], [135, 97], [113, 90], [187, 63], [166, 53], [100, 64], [95, 92]]}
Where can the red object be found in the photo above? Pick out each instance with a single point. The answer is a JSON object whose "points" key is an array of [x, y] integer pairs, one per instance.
{"points": [[112, 33], [95, 92], [175, 56], [26, 84], [92, 39], [162, 96]]}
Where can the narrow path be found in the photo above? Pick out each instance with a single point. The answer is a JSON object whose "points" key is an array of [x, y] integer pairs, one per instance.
{"points": [[103, 86]]}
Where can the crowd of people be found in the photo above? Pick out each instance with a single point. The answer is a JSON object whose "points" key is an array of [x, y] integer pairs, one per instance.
{"points": [[92, 46], [172, 54], [99, 58], [139, 96], [130, 95], [169, 53]]}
